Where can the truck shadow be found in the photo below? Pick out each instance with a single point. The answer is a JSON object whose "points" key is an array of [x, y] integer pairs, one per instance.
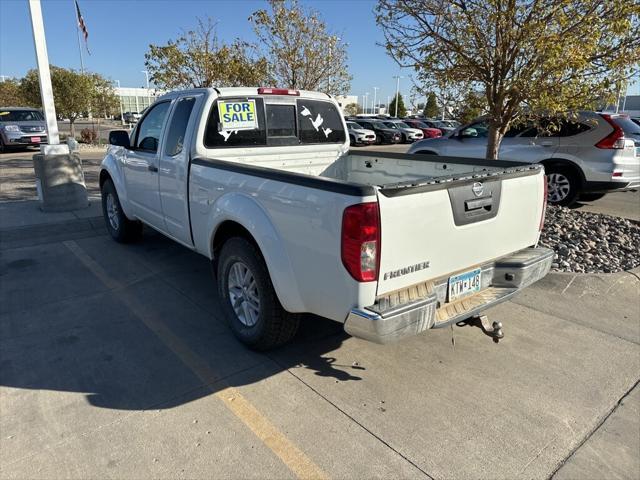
{"points": [[145, 345]]}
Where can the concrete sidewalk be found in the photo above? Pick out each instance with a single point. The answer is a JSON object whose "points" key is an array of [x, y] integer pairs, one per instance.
{"points": [[102, 349]]}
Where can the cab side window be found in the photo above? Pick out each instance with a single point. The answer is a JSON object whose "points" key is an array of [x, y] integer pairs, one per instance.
{"points": [[178, 126], [150, 128]]}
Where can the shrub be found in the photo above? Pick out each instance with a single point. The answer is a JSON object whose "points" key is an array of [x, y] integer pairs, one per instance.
{"points": [[88, 135]]}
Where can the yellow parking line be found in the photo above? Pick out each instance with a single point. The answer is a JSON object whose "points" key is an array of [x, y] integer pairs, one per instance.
{"points": [[294, 458]]}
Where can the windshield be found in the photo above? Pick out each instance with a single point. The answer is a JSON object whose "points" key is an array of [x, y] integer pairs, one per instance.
{"points": [[420, 125], [390, 125], [21, 116], [353, 125], [402, 125]]}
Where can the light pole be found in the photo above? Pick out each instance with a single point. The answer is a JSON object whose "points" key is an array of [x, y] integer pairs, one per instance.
{"points": [[146, 74], [375, 97], [366, 102], [397, 77], [120, 102]]}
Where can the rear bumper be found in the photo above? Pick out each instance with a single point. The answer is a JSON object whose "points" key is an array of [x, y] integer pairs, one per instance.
{"points": [[389, 319]]}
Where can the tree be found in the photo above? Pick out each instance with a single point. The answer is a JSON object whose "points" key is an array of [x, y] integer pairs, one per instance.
{"points": [[431, 108], [73, 92], [529, 57], [352, 109], [470, 107], [199, 59], [11, 95], [301, 52], [402, 111], [104, 101]]}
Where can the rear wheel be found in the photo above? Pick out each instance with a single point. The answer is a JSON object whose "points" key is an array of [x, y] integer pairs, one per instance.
{"points": [[119, 226], [352, 140], [248, 298], [563, 186]]}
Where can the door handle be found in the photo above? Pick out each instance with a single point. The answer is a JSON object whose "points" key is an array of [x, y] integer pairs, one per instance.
{"points": [[152, 168]]}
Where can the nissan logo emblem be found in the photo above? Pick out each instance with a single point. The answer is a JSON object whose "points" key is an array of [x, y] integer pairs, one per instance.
{"points": [[477, 189]]}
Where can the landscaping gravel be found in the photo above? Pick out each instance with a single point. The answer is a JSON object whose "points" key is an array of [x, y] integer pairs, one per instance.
{"points": [[590, 242]]}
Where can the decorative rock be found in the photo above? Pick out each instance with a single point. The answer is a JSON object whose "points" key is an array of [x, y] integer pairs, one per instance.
{"points": [[590, 242]]}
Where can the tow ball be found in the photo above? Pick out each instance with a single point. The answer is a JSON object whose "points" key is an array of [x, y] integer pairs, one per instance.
{"points": [[493, 330]]}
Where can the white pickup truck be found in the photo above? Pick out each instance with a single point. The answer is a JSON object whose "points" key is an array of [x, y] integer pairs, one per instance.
{"points": [[261, 181]]}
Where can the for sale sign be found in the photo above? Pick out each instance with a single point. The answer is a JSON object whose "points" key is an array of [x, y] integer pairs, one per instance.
{"points": [[238, 115]]}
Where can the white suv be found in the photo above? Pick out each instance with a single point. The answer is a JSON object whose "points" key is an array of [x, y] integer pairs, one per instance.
{"points": [[598, 153]]}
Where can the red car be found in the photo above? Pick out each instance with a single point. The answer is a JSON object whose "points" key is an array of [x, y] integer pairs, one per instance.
{"points": [[426, 130]]}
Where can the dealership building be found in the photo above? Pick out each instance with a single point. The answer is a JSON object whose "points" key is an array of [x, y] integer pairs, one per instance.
{"points": [[136, 99]]}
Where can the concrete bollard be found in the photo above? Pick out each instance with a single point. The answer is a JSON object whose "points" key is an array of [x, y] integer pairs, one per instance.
{"points": [[59, 179]]}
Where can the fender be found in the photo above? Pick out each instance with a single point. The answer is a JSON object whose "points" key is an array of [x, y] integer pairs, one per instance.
{"points": [[113, 164], [245, 211], [560, 160]]}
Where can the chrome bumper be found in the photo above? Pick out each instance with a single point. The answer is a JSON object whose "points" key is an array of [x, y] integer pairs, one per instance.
{"points": [[386, 321]]}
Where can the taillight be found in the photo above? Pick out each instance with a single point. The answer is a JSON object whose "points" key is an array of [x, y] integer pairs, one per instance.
{"points": [[360, 244], [277, 91], [615, 140], [544, 202]]}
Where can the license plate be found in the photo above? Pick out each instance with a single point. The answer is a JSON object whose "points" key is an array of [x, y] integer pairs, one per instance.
{"points": [[35, 139], [464, 284]]}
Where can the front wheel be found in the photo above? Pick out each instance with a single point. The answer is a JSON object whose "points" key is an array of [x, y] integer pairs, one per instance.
{"points": [[562, 185], [248, 298], [119, 226]]}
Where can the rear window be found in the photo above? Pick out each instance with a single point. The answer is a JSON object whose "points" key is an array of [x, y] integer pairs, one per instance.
{"points": [[306, 122], [319, 122], [627, 125], [21, 116]]}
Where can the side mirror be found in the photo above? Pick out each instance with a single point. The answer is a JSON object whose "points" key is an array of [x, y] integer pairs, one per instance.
{"points": [[119, 138], [469, 133]]}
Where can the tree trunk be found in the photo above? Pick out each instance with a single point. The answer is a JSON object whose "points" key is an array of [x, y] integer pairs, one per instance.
{"points": [[493, 142], [72, 127]]}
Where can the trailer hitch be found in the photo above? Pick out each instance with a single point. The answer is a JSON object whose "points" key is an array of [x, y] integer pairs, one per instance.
{"points": [[493, 330]]}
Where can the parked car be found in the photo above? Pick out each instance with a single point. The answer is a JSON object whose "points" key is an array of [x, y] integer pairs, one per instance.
{"points": [[383, 133], [427, 131], [262, 183], [446, 130], [596, 154], [21, 127], [131, 117], [359, 135], [408, 134], [450, 123]]}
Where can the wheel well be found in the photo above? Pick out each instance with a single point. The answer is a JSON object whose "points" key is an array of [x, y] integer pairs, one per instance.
{"points": [[565, 164], [227, 230], [104, 176], [424, 152]]}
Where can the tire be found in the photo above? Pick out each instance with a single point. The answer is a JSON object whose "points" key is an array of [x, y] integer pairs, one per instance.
{"points": [[404, 139], [591, 197], [119, 226], [258, 319], [3, 149], [563, 186]]}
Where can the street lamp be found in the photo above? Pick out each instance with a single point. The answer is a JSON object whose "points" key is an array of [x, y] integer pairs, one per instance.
{"points": [[375, 97], [120, 102], [366, 103], [397, 77], [146, 74]]}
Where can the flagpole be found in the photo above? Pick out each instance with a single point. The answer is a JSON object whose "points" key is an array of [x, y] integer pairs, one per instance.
{"points": [[78, 33]]}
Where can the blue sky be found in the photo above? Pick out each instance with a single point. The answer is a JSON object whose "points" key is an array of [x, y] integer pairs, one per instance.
{"points": [[121, 30]]}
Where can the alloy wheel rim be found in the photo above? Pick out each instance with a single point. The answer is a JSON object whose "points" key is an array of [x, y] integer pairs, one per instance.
{"points": [[243, 294], [112, 212], [558, 187]]}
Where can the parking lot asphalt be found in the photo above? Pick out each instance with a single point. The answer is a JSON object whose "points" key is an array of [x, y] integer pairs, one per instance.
{"points": [[115, 363]]}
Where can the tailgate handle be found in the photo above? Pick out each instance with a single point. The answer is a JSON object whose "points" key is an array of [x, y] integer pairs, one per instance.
{"points": [[471, 205]]}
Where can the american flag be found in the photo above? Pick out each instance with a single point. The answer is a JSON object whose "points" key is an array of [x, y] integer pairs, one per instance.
{"points": [[82, 26]]}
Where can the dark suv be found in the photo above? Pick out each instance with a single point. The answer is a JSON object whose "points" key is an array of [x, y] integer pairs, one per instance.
{"points": [[384, 134]]}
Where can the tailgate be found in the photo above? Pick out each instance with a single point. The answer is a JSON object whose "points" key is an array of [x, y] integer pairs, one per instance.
{"points": [[454, 224]]}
